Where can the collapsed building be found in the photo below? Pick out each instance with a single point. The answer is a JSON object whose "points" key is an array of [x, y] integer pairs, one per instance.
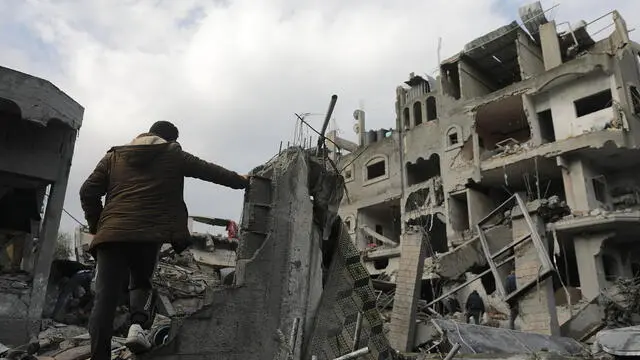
{"points": [[520, 156], [38, 129], [511, 160]]}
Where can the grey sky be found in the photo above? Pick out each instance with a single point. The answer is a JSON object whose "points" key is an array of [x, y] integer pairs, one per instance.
{"points": [[230, 74]]}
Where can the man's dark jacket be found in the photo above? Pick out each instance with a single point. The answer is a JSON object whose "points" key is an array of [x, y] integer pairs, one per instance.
{"points": [[474, 302], [143, 183]]}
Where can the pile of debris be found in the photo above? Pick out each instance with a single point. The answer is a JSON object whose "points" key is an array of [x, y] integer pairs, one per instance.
{"points": [[181, 282]]}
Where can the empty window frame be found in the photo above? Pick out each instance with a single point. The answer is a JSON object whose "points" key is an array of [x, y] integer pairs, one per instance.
{"points": [[376, 169], [599, 188], [547, 132], [452, 137], [459, 211], [406, 117], [417, 112], [348, 174], [432, 112], [593, 103]]}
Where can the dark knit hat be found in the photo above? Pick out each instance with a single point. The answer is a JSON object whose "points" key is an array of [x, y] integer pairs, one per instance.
{"points": [[165, 130]]}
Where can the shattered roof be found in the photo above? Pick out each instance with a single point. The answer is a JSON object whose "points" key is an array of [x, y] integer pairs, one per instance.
{"points": [[496, 52], [37, 100]]}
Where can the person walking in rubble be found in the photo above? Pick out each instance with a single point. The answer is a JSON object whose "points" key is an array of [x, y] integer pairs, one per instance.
{"points": [[143, 184], [511, 286], [474, 307]]}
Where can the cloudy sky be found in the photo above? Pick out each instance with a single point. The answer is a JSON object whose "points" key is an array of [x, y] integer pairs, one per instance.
{"points": [[231, 73]]}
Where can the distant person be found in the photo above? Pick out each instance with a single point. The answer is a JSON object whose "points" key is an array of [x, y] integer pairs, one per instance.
{"points": [[474, 307], [511, 286], [143, 185]]}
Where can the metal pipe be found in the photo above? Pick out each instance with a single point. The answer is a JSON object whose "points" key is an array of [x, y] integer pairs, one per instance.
{"points": [[454, 350], [356, 335], [332, 105], [353, 355]]}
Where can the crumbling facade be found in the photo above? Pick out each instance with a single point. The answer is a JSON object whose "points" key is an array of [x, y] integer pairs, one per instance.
{"points": [[300, 289], [519, 156], [38, 128]]}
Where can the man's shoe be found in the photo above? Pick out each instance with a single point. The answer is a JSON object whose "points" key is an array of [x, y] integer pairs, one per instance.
{"points": [[137, 340]]}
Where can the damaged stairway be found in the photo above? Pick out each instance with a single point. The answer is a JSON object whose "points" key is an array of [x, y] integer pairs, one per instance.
{"points": [[497, 250], [279, 307]]}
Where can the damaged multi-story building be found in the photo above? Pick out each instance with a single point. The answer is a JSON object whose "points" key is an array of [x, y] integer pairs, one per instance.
{"points": [[520, 156]]}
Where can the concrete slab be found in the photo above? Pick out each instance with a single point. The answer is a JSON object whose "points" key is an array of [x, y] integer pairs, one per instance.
{"points": [[620, 342], [488, 340]]}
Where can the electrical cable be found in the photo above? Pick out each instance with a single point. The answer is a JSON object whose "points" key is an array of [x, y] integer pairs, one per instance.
{"points": [[68, 213]]}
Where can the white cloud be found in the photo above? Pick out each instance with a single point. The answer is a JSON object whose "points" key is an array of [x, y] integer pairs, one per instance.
{"points": [[231, 74]]}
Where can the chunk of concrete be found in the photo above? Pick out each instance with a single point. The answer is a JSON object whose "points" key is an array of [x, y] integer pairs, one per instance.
{"points": [[278, 306], [620, 342], [488, 340], [456, 262]]}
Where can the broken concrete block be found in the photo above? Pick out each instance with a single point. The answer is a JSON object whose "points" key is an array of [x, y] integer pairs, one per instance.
{"points": [[278, 305]]}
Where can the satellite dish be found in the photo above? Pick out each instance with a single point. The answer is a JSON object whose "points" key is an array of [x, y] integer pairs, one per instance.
{"points": [[355, 114], [356, 128]]}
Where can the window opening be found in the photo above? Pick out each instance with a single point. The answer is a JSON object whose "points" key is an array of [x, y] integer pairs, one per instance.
{"points": [[376, 170], [593, 103]]}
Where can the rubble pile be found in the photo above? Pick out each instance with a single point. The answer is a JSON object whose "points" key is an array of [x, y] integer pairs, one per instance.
{"points": [[181, 283], [15, 283], [622, 303]]}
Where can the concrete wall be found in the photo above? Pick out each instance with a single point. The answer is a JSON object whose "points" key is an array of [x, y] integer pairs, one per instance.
{"points": [[472, 83], [590, 269], [529, 56], [279, 279], [579, 186], [32, 150], [628, 75], [480, 205], [422, 141], [561, 102], [362, 193]]}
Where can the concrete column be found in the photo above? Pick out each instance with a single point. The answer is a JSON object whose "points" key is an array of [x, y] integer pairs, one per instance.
{"points": [[550, 45], [590, 268], [622, 33], [532, 117], [408, 281], [577, 177], [537, 306], [49, 236]]}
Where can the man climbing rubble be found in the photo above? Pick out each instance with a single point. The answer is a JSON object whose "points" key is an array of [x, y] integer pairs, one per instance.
{"points": [[474, 307], [143, 182]]}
